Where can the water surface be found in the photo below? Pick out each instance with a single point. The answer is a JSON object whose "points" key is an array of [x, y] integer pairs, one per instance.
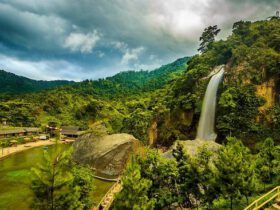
{"points": [[15, 180]]}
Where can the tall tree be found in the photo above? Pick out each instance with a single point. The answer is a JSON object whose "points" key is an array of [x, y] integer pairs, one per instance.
{"points": [[52, 182], [208, 37], [135, 189], [187, 178], [267, 157], [164, 174], [208, 186], [235, 167]]}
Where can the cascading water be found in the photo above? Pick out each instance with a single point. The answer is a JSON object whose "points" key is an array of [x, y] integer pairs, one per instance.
{"points": [[207, 118]]}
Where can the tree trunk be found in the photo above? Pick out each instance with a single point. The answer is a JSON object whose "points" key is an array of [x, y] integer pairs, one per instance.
{"points": [[52, 187], [231, 203]]}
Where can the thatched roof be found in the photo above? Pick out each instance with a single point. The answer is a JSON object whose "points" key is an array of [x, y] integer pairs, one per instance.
{"points": [[32, 129], [70, 130], [18, 130]]}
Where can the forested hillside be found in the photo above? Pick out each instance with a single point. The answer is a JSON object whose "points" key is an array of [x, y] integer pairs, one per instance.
{"points": [[14, 84], [248, 113], [164, 105], [88, 102], [131, 83], [248, 102]]}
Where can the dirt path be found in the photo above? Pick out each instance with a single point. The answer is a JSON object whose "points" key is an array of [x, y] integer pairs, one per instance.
{"points": [[21, 147]]}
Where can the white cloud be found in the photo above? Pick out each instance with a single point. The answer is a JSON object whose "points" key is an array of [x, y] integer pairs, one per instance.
{"points": [[82, 42], [43, 70], [167, 29], [131, 55]]}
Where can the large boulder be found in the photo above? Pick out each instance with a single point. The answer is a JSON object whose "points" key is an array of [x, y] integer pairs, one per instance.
{"points": [[107, 154]]}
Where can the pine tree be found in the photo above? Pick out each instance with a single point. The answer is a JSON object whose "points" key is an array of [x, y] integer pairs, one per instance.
{"points": [[235, 167], [164, 174], [187, 178], [51, 183], [135, 190], [208, 37], [265, 160], [208, 186]]}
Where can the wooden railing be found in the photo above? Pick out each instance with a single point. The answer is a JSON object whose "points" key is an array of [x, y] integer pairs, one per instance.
{"points": [[265, 199], [108, 198]]}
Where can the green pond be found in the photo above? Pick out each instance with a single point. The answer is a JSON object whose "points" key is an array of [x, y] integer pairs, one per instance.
{"points": [[15, 180]]}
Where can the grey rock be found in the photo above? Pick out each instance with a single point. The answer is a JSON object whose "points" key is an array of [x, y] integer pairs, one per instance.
{"points": [[107, 154], [192, 146]]}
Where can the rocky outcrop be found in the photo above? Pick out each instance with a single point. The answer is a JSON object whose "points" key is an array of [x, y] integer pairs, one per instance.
{"points": [[107, 154], [267, 91], [152, 133], [192, 147]]}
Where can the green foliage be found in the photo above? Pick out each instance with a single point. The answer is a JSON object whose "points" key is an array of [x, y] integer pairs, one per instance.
{"points": [[251, 55], [226, 179], [131, 101], [83, 179], [163, 174], [56, 186], [130, 83], [13, 84], [51, 181], [135, 190], [235, 171], [137, 123], [124, 103], [238, 108], [208, 37], [274, 113], [268, 161]]}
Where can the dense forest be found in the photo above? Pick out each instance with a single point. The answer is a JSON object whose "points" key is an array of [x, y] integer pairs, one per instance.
{"points": [[85, 103], [247, 163], [14, 84], [163, 105]]}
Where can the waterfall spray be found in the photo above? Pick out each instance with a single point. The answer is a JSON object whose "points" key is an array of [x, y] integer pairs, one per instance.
{"points": [[207, 118]]}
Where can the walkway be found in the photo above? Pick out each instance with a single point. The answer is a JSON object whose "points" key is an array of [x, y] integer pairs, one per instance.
{"points": [[108, 198], [264, 200]]}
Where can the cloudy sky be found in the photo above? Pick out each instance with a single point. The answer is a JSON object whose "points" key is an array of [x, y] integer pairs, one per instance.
{"points": [[80, 39]]}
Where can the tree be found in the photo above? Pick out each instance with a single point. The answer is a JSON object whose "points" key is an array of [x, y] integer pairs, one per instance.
{"points": [[208, 186], [208, 37], [187, 180], [52, 183], [134, 194], [235, 171], [83, 178], [267, 160], [164, 174]]}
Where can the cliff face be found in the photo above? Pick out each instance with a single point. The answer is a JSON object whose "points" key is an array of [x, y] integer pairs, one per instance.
{"points": [[177, 124], [248, 100], [267, 90], [153, 133]]}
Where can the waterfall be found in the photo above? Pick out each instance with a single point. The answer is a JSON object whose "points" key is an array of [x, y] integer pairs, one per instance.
{"points": [[207, 118]]}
